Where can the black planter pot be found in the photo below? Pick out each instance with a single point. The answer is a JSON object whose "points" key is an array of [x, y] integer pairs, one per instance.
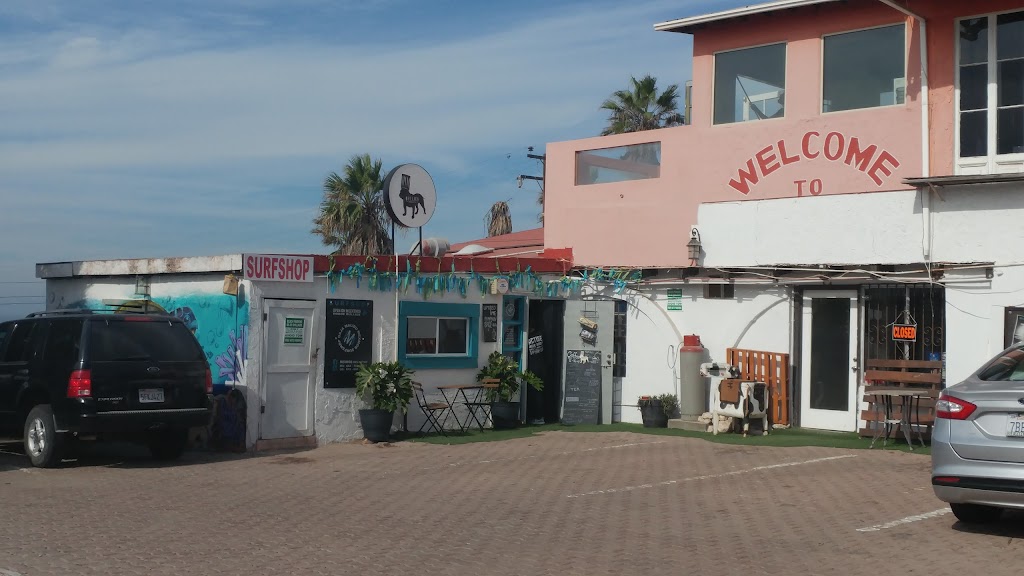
{"points": [[505, 415], [653, 415], [376, 424]]}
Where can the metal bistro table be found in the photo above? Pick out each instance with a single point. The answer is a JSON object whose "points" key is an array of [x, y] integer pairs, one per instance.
{"points": [[909, 403], [471, 405]]}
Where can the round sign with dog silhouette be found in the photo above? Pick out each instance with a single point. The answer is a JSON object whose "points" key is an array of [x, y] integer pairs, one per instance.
{"points": [[409, 195]]}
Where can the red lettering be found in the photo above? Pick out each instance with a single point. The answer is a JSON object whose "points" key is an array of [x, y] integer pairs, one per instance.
{"points": [[807, 146], [305, 269], [266, 268], [279, 268], [747, 178], [816, 187], [879, 166], [248, 266], [290, 268], [841, 145], [799, 187], [859, 158], [786, 160], [767, 160]]}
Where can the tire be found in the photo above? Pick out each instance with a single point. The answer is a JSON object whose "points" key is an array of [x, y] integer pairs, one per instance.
{"points": [[168, 445], [43, 445], [976, 513]]}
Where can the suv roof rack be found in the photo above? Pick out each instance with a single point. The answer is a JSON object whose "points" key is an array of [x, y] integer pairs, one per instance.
{"points": [[60, 312]]}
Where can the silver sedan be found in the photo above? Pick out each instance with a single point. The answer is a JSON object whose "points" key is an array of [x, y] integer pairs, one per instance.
{"points": [[978, 441]]}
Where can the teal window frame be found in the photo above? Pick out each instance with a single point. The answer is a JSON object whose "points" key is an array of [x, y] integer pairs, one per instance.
{"points": [[471, 312]]}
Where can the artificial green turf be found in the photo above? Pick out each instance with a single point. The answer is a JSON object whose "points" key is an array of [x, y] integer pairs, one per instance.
{"points": [[778, 438]]}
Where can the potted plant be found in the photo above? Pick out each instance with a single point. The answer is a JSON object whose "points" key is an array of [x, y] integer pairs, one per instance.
{"points": [[656, 410], [504, 409], [386, 387]]}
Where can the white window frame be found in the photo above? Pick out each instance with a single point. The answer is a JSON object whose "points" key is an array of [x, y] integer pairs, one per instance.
{"points": [[437, 336], [993, 162], [906, 66], [746, 104]]}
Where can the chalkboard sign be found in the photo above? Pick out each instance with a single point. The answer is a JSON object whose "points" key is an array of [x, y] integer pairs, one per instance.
{"points": [[490, 322], [582, 387], [348, 341]]}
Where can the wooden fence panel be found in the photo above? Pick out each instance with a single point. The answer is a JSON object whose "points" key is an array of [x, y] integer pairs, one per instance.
{"points": [[772, 368]]}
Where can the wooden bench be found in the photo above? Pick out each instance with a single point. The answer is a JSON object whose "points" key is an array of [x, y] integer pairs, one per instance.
{"points": [[772, 368], [923, 375]]}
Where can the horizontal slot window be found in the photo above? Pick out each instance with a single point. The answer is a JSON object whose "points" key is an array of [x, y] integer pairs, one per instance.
{"points": [[620, 164]]}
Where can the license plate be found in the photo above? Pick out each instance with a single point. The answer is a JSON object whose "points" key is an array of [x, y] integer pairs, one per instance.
{"points": [[1015, 426], [150, 395]]}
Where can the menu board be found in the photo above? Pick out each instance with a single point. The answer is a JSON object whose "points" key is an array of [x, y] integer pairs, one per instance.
{"points": [[490, 322], [582, 403], [348, 341]]}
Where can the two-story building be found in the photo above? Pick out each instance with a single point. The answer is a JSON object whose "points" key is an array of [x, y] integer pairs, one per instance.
{"points": [[848, 168]]}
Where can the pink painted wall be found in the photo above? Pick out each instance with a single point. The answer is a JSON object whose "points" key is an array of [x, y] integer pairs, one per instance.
{"points": [[647, 222]]}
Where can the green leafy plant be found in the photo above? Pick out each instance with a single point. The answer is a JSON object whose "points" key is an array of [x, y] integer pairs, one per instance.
{"points": [[668, 402], [385, 385], [506, 371]]}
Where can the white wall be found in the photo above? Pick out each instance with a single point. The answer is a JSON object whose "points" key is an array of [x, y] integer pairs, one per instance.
{"points": [[757, 318], [870, 228]]}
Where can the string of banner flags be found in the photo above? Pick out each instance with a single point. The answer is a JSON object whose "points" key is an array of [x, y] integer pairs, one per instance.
{"points": [[430, 283]]}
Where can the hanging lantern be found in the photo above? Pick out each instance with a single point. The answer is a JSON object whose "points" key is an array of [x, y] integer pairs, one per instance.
{"points": [[693, 246]]}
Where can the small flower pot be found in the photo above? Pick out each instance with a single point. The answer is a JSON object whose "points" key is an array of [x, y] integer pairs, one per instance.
{"points": [[376, 424], [505, 415], [653, 415]]}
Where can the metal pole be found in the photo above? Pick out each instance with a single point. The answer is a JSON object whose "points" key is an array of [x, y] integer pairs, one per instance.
{"points": [[906, 318]]}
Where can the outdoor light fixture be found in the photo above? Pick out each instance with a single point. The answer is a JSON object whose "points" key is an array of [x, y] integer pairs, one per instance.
{"points": [[693, 246]]}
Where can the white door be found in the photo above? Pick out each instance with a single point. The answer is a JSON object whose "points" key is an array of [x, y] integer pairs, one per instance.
{"points": [[828, 383], [288, 381], [601, 312]]}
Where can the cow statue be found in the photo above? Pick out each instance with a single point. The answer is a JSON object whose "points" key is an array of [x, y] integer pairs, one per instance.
{"points": [[736, 398]]}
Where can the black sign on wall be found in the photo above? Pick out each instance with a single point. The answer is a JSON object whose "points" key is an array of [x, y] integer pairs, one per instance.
{"points": [[348, 341], [582, 387], [490, 322]]}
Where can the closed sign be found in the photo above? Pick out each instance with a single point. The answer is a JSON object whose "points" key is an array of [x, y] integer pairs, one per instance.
{"points": [[904, 332]]}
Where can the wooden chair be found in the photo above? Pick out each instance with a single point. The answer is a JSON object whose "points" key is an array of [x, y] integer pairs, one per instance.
{"points": [[429, 409]]}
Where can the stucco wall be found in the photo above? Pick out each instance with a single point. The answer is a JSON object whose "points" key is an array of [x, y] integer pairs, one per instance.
{"points": [[757, 318]]}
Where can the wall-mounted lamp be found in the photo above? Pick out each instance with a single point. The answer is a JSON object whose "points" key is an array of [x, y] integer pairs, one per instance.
{"points": [[989, 273], [142, 286], [693, 246]]}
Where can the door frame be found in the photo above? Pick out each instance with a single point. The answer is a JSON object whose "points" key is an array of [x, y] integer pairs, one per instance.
{"points": [[295, 304], [807, 416]]}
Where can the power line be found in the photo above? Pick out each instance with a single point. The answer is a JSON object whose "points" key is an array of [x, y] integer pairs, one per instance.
{"points": [[20, 303], [22, 296], [22, 282]]}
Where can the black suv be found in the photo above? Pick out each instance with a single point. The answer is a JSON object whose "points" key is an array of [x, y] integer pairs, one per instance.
{"points": [[76, 374]]}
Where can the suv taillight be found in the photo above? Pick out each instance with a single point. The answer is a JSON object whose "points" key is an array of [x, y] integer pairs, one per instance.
{"points": [[209, 381], [953, 408], [80, 384]]}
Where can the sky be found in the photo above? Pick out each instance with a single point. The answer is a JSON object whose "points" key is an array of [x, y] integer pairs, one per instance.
{"points": [[203, 127]]}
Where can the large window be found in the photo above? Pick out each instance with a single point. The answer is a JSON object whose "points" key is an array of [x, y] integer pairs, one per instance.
{"points": [[750, 84], [436, 335], [619, 164], [864, 69], [990, 84]]}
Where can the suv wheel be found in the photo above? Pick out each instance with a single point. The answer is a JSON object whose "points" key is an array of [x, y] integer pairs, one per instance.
{"points": [[168, 444], [42, 443], [976, 513]]}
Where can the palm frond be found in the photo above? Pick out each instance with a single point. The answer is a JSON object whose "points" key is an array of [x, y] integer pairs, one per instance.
{"points": [[499, 219]]}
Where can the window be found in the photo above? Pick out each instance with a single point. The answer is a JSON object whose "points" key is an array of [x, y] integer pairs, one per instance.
{"points": [[619, 164], [619, 340], [719, 291], [1008, 367], [122, 341], [990, 83], [436, 335], [19, 348], [864, 69], [750, 84], [62, 344]]}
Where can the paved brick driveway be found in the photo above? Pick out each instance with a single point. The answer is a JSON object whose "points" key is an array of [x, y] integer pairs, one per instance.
{"points": [[562, 503]]}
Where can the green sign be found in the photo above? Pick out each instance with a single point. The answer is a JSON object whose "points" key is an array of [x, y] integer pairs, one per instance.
{"points": [[675, 298], [294, 331]]}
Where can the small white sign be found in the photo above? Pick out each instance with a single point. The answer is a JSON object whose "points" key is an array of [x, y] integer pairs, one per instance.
{"points": [[294, 331], [277, 268]]}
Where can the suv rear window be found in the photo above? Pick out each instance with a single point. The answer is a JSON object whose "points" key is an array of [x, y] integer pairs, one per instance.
{"points": [[116, 341]]}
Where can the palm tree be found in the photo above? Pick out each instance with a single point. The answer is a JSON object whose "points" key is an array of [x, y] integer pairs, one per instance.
{"points": [[352, 215], [499, 219], [642, 107]]}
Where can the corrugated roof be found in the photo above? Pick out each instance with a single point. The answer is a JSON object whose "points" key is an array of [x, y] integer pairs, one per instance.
{"points": [[685, 25]]}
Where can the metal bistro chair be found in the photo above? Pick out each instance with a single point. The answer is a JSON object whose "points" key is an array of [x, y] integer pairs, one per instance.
{"points": [[429, 410], [480, 403]]}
